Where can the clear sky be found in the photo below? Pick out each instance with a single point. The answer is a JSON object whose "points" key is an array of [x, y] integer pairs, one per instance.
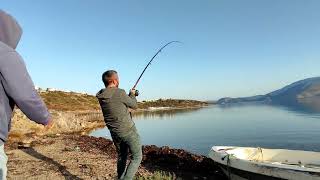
{"points": [[231, 48]]}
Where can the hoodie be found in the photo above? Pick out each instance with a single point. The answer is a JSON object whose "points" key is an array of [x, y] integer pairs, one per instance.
{"points": [[114, 103], [16, 86]]}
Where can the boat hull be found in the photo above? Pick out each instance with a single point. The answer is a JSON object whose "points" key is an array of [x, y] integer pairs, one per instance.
{"points": [[241, 163], [238, 174]]}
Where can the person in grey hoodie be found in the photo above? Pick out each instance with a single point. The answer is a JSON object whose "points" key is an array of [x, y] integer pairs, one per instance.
{"points": [[115, 105], [16, 86]]}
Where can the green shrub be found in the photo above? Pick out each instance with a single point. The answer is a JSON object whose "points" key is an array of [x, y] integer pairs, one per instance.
{"points": [[158, 175]]}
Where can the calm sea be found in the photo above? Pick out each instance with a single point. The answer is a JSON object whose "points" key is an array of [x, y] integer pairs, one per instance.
{"points": [[255, 126]]}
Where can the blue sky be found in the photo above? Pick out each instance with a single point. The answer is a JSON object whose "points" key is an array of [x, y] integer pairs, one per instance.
{"points": [[230, 48]]}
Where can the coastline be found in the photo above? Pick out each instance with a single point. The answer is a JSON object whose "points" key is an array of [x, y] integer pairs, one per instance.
{"points": [[153, 109], [67, 152], [77, 122], [74, 156]]}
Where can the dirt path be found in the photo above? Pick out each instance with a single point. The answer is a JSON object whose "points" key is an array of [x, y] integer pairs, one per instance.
{"points": [[58, 158], [84, 157]]}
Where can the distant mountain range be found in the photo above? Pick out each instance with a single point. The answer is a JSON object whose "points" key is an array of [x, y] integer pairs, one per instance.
{"points": [[304, 93]]}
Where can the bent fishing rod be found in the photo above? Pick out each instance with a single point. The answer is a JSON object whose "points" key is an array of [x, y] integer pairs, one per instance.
{"points": [[149, 63]]}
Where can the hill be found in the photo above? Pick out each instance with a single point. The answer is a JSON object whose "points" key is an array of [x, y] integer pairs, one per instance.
{"points": [[304, 93], [71, 101]]}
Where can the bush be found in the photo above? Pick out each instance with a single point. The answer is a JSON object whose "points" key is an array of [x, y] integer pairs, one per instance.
{"points": [[158, 175]]}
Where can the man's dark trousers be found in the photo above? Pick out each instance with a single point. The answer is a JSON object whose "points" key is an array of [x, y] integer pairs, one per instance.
{"points": [[130, 142]]}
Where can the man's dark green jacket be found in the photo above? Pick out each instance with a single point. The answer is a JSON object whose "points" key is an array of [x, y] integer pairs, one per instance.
{"points": [[114, 103]]}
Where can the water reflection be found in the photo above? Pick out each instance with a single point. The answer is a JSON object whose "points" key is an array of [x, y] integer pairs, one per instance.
{"points": [[163, 114], [302, 108], [302, 111]]}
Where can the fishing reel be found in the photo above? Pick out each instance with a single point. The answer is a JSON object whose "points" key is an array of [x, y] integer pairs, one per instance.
{"points": [[136, 93]]}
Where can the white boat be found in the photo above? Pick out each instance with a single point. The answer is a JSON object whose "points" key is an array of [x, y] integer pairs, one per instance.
{"points": [[240, 163]]}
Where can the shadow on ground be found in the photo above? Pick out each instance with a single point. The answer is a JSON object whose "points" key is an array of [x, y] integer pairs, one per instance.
{"points": [[55, 165]]}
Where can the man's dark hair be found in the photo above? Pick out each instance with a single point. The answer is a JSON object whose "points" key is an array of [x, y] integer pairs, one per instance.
{"points": [[107, 76]]}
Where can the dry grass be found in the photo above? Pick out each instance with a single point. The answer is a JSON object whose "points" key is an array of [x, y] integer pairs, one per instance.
{"points": [[158, 175], [63, 101]]}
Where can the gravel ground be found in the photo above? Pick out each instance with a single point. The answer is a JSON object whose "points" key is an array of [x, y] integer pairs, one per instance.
{"points": [[85, 157]]}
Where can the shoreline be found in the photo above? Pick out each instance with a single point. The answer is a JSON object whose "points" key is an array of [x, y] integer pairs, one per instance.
{"points": [[171, 108], [76, 156], [76, 122], [138, 112], [69, 140]]}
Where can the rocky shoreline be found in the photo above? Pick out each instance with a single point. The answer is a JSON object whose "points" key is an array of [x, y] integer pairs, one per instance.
{"points": [[91, 157], [66, 152], [76, 156]]}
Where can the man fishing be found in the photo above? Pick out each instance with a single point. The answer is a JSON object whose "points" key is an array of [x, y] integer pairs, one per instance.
{"points": [[16, 86], [115, 105]]}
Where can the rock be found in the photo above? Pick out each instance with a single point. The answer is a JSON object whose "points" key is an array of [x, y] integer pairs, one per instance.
{"points": [[77, 148]]}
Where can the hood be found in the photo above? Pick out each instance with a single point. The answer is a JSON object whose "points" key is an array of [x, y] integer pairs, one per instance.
{"points": [[106, 93], [10, 31]]}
